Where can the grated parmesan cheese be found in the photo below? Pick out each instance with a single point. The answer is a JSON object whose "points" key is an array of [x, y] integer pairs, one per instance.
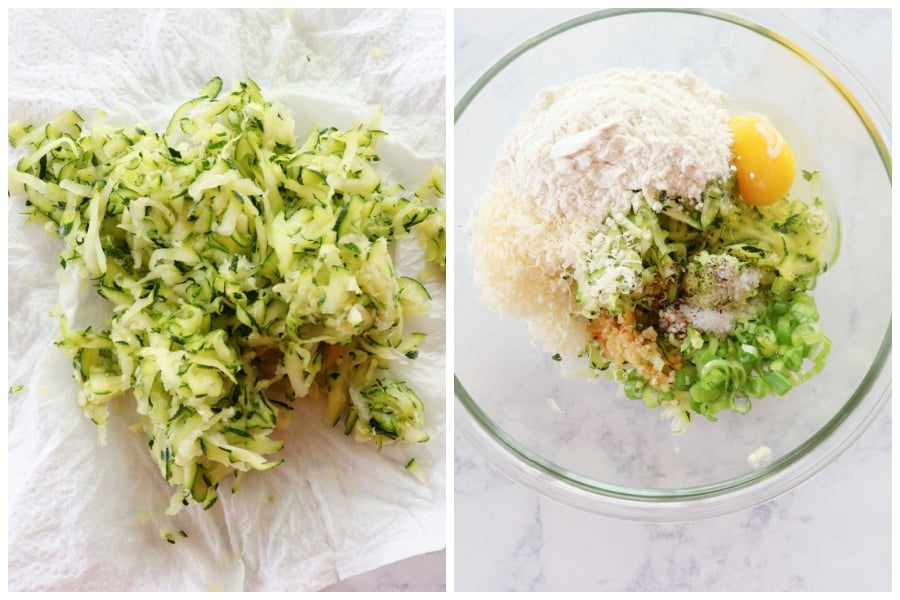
{"points": [[521, 261]]}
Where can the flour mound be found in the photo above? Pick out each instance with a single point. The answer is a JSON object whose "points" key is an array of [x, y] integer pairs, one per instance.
{"points": [[586, 147]]}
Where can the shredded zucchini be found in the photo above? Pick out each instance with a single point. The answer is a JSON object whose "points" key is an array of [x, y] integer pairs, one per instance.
{"points": [[246, 269]]}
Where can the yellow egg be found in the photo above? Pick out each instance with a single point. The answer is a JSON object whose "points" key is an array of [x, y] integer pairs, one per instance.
{"points": [[764, 163]]}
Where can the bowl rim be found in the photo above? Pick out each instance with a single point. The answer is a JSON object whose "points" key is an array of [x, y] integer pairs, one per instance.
{"points": [[758, 485]]}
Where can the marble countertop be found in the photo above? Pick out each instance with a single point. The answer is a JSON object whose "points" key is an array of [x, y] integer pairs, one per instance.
{"points": [[831, 533], [423, 573]]}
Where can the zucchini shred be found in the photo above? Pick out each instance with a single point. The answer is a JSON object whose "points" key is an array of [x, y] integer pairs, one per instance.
{"points": [[246, 270]]}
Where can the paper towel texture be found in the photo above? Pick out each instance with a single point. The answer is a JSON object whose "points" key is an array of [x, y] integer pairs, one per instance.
{"points": [[89, 517]]}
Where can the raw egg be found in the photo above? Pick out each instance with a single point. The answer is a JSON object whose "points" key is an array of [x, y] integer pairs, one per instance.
{"points": [[764, 163]]}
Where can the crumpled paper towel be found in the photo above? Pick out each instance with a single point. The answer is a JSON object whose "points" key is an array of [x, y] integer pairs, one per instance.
{"points": [[89, 517]]}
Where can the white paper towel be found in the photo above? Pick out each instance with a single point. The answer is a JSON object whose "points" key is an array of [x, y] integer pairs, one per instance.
{"points": [[89, 517]]}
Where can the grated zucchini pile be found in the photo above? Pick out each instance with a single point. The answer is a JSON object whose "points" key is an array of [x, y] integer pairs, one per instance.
{"points": [[246, 270]]}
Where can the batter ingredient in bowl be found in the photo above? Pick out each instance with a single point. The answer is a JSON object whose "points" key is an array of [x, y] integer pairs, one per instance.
{"points": [[246, 270], [590, 144], [764, 163], [632, 224]]}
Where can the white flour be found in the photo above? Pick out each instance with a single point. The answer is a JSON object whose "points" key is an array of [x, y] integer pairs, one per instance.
{"points": [[587, 147]]}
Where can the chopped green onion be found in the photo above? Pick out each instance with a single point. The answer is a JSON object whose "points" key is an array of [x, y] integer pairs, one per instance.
{"points": [[808, 333], [777, 382]]}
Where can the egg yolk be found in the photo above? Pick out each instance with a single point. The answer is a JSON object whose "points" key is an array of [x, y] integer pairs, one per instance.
{"points": [[764, 163]]}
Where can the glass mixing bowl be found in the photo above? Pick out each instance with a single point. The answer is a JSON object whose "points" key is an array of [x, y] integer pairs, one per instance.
{"points": [[580, 441]]}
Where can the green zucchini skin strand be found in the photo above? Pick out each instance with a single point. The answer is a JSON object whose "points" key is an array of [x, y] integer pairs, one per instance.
{"points": [[246, 268]]}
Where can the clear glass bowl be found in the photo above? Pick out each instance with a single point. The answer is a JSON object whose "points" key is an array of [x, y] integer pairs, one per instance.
{"points": [[581, 441]]}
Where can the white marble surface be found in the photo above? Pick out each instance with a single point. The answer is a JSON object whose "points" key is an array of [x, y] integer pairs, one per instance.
{"points": [[423, 573], [830, 533]]}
